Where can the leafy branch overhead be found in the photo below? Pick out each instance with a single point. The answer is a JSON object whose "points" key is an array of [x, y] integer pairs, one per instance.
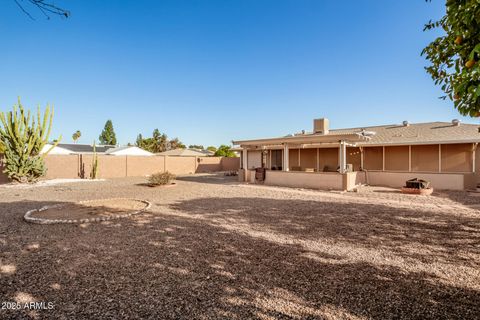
{"points": [[455, 56]]}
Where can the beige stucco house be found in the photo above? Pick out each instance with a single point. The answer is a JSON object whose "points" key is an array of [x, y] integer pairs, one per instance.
{"points": [[444, 153]]}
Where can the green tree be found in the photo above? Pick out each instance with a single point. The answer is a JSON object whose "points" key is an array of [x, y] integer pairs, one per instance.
{"points": [[212, 149], [76, 135], [455, 55], [175, 144], [2, 147], [23, 136], [196, 146], [225, 151], [107, 137], [158, 142], [139, 141]]}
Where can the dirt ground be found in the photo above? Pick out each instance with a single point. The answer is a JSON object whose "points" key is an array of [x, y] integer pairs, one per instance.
{"points": [[211, 248]]}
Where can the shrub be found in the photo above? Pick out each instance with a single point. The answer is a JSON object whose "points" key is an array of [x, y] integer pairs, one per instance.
{"points": [[161, 178]]}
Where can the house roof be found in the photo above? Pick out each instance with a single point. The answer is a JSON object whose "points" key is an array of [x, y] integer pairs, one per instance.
{"points": [[393, 134], [135, 149], [417, 133], [186, 153], [84, 148]]}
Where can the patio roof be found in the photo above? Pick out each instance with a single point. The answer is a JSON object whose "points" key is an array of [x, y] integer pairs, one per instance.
{"points": [[350, 138]]}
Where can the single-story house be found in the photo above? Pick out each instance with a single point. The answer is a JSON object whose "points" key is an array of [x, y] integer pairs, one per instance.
{"points": [[444, 153], [74, 148], [187, 153], [65, 148]]}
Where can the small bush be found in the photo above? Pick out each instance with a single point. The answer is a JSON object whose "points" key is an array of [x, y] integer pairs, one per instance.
{"points": [[161, 178]]}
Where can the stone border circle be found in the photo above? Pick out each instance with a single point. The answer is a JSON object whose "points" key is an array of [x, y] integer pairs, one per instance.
{"points": [[28, 215]]}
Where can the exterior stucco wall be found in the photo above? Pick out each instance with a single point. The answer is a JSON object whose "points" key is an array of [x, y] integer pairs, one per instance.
{"points": [[181, 165], [207, 164], [314, 180], [230, 164], [62, 166], [448, 181], [141, 166], [77, 166]]}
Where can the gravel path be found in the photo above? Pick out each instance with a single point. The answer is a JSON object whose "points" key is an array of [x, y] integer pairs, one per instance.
{"points": [[211, 248]]}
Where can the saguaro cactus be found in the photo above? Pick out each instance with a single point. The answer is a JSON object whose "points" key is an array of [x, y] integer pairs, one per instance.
{"points": [[94, 169], [23, 137]]}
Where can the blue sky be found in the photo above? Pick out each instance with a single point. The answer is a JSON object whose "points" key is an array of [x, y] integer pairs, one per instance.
{"points": [[211, 71]]}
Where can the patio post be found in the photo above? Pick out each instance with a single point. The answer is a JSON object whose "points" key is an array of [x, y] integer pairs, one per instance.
{"points": [[245, 162], [286, 158], [342, 156]]}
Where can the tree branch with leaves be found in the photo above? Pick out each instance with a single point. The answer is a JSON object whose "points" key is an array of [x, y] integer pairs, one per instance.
{"points": [[455, 56]]}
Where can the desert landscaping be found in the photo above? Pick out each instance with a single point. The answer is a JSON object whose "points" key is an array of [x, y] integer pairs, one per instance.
{"points": [[211, 248]]}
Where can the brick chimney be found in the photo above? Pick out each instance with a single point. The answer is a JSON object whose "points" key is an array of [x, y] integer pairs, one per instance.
{"points": [[320, 126]]}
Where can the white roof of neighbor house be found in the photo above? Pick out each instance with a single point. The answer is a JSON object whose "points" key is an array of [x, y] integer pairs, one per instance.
{"points": [[186, 153], [73, 148], [55, 150], [128, 151]]}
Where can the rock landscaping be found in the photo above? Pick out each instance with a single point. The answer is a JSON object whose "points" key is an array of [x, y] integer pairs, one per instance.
{"points": [[212, 248], [87, 211]]}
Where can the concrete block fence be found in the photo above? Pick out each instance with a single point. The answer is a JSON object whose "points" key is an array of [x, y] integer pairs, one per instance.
{"points": [[79, 165]]}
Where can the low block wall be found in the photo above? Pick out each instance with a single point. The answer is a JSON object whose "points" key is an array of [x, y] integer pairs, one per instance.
{"points": [[314, 180], [353, 179], [79, 166], [446, 181]]}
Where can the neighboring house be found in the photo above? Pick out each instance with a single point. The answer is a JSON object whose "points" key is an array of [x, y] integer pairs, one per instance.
{"points": [[444, 153], [128, 151], [70, 148], [187, 153], [63, 148]]}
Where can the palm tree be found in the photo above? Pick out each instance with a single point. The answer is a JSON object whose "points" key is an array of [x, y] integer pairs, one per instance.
{"points": [[76, 136]]}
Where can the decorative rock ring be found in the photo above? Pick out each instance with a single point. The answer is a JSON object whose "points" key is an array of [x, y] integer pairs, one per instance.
{"points": [[104, 213]]}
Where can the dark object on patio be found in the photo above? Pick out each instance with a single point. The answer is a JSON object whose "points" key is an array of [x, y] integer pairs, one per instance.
{"points": [[330, 169], [417, 184], [260, 174], [231, 173]]}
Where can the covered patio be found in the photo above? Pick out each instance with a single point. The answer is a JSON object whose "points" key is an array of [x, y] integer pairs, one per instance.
{"points": [[325, 161]]}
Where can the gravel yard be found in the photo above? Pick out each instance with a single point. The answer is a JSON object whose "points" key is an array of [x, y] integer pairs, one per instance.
{"points": [[211, 248]]}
